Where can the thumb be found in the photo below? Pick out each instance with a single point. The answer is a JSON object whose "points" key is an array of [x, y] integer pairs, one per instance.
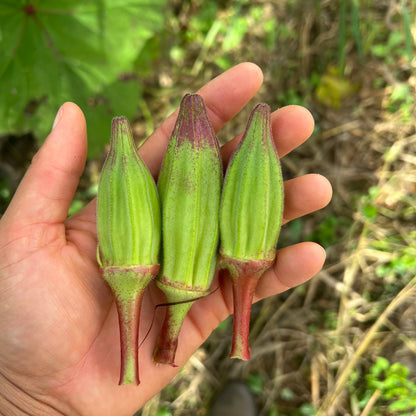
{"points": [[46, 191]]}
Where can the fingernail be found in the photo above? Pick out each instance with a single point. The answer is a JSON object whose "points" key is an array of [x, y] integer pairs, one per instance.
{"points": [[57, 118]]}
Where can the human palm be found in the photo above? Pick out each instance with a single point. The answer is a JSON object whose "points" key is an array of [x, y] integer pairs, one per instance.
{"points": [[59, 335]]}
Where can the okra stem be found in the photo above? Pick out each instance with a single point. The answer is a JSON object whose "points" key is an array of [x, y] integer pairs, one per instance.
{"points": [[129, 315], [128, 286], [244, 276], [244, 287], [168, 342]]}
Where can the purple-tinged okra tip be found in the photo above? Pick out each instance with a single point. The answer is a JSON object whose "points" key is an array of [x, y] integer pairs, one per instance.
{"points": [[193, 124]]}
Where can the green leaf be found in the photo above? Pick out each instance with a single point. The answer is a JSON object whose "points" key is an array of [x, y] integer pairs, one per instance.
{"points": [[256, 383], [122, 99], [14, 96], [163, 411], [71, 50], [10, 30], [235, 34], [370, 211]]}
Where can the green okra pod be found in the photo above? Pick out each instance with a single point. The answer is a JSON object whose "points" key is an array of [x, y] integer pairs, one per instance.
{"points": [[250, 218], [129, 235], [190, 190]]}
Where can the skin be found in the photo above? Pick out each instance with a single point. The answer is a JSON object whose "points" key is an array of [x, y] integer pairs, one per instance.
{"points": [[59, 335]]}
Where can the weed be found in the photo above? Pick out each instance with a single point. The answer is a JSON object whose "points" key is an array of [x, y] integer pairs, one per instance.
{"points": [[163, 411], [401, 100], [4, 190], [388, 387], [329, 231], [255, 383]]}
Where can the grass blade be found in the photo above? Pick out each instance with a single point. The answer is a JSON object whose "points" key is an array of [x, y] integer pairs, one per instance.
{"points": [[407, 32], [355, 27], [342, 39]]}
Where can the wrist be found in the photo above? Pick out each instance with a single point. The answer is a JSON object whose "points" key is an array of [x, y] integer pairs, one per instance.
{"points": [[15, 401]]}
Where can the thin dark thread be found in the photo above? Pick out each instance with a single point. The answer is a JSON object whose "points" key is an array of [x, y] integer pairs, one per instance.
{"points": [[171, 304]]}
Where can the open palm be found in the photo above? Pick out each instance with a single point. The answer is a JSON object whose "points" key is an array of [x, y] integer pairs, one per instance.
{"points": [[59, 341]]}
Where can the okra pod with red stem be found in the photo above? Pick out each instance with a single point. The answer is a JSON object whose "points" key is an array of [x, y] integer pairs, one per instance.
{"points": [[129, 234], [250, 218], [190, 190]]}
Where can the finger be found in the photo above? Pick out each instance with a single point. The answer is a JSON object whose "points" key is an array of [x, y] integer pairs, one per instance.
{"points": [[46, 191], [224, 97], [293, 266], [291, 126], [304, 195]]}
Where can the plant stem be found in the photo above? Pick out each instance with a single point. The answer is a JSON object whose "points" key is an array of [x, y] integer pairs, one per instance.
{"points": [[129, 315], [371, 402], [168, 341], [244, 286], [244, 275], [128, 286]]}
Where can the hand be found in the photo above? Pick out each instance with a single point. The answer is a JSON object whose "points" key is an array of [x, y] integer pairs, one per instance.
{"points": [[59, 340]]}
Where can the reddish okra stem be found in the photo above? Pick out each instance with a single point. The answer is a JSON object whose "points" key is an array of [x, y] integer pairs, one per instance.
{"points": [[128, 286], [244, 276]]}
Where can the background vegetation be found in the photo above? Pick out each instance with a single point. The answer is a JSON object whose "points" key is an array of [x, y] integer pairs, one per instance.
{"points": [[345, 343]]}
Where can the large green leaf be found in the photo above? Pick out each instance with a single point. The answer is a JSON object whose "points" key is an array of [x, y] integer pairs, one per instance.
{"points": [[71, 50]]}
